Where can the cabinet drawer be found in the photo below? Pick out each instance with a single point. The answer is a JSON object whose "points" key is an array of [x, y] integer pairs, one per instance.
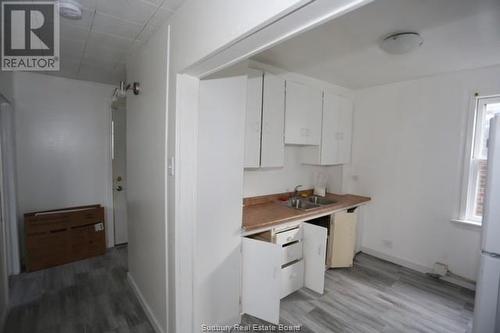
{"points": [[292, 278], [291, 253], [289, 236]]}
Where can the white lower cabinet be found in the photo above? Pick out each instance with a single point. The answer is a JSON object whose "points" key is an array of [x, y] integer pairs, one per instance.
{"points": [[292, 278], [278, 263]]}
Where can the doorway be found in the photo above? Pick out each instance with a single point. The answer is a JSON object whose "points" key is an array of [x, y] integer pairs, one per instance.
{"points": [[118, 152]]}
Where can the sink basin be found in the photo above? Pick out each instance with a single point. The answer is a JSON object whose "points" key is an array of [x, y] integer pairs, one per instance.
{"points": [[320, 200], [301, 204]]}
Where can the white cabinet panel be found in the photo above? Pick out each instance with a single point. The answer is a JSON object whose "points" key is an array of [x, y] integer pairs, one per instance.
{"points": [[291, 253], [345, 131], [288, 236], [261, 282], [265, 120], [336, 133], [314, 253], [292, 278], [273, 122], [253, 118], [343, 239], [302, 114]]}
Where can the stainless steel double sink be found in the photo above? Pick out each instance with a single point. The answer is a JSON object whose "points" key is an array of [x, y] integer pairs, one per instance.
{"points": [[308, 203]]}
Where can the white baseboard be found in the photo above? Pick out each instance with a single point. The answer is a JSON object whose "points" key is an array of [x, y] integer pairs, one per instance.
{"points": [[416, 267], [154, 322], [396, 260]]}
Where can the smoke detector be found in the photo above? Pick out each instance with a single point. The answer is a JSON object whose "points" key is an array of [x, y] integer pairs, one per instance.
{"points": [[70, 9], [401, 42]]}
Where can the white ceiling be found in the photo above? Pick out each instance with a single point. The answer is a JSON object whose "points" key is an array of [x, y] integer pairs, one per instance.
{"points": [[458, 34], [95, 48]]}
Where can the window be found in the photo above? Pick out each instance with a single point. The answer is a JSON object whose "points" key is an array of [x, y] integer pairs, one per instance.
{"points": [[486, 108]]}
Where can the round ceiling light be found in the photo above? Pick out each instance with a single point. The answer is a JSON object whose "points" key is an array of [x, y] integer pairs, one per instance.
{"points": [[70, 9], [401, 42]]}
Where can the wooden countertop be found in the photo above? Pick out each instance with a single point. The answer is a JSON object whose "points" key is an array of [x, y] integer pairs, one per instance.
{"points": [[264, 212]]}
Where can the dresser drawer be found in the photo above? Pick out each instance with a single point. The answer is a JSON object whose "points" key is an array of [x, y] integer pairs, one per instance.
{"points": [[292, 278], [291, 253], [289, 236]]}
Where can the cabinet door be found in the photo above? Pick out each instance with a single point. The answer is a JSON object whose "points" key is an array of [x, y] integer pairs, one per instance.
{"points": [[273, 122], [253, 118], [345, 131], [302, 114], [314, 253], [261, 280], [330, 129], [344, 239]]}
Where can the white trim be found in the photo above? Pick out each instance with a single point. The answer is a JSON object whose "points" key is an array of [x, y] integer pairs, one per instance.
{"points": [[469, 168], [3, 243], [152, 319], [109, 204], [186, 179], [169, 240], [467, 154], [467, 222], [397, 260]]}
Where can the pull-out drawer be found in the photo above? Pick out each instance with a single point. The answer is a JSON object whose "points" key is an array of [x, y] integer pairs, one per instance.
{"points": [[292, 278], [291, 253], [289, 236]]}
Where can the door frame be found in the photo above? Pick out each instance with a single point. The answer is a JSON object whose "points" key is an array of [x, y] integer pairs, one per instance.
{"points": [[3, 249], [187, 80]]}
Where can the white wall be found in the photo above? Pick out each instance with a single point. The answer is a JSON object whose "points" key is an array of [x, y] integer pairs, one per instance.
{"points": [[7, 85], [219, 211], [146, 184], [408, 148], [277, 180], [63, 140]]}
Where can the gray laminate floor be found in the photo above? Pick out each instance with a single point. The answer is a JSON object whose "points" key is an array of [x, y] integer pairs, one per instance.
{"points": [[377, 296], [88, 296], [374, 296]]}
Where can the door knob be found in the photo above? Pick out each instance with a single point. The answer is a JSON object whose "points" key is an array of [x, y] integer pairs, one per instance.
{"points": [[119, 188]]}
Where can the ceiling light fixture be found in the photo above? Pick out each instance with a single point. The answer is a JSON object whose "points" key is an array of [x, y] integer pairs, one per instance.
{"points": [[401, 42], [70, 9]]}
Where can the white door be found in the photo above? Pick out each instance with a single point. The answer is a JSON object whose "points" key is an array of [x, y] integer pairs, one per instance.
{"points": [[119, 175], [261, 279], [253, 119], [314, 253], [303, 114], [273, 122]]}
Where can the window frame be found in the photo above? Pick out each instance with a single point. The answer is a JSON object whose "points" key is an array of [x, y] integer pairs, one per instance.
{"points": [[472, 160]]}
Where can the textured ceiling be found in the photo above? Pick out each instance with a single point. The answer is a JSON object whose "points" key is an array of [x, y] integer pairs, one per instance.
{"points": [[458, 34], [95, 48]]}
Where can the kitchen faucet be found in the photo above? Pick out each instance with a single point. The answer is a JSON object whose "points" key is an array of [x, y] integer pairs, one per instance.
{"points": [[296, 191]]}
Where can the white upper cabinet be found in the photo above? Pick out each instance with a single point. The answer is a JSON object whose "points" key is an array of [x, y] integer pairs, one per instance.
{"points": [[303, 114], [253, 120], [273, 122], [336, 133], [265, 120]]}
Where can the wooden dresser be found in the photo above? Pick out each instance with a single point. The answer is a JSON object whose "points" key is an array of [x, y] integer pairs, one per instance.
{"points": [[61, 236]]}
